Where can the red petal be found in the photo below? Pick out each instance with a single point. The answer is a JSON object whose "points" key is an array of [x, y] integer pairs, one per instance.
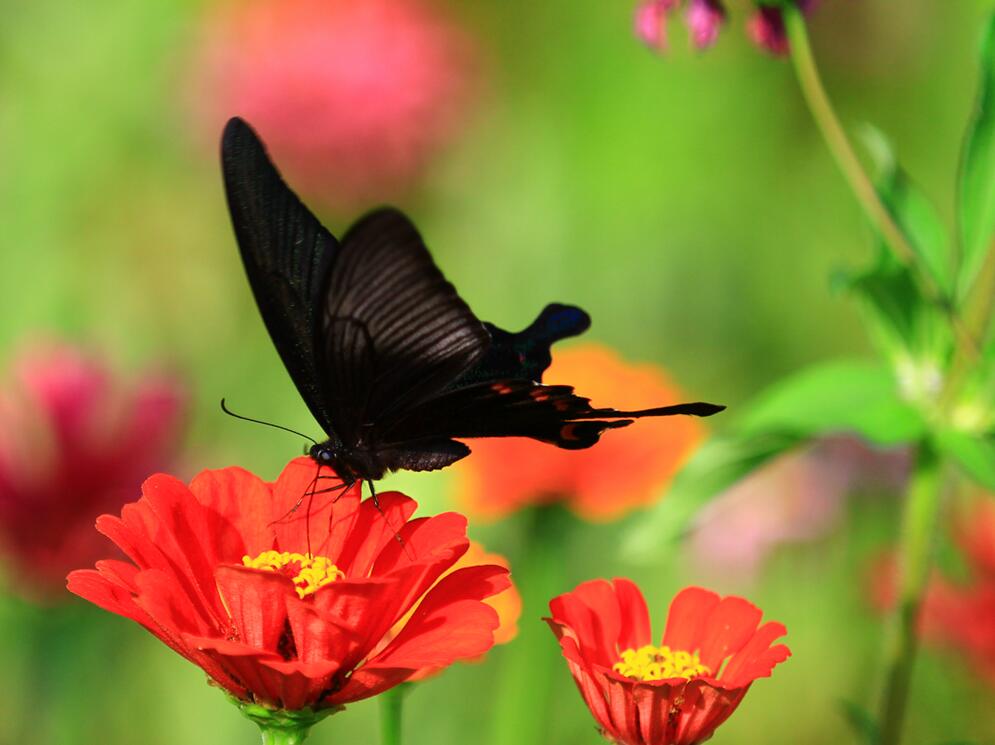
{"points": [[442, 537], [726, 629], [107, 593], [757, 658], [591, 611], [686, 618], [372, 531], [237, 515], [635, 631], [451, 623], [318, 519], [257, 603], [121, 573], [169, 606], [233, 661], [368, 682]]}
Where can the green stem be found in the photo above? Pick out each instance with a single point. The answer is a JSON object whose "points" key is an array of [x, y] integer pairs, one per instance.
{"points": [[836, 139], [860, 183], [391, 709], [282, 727], [520, 714], [274, 736], [918, 528], [979, 305]]}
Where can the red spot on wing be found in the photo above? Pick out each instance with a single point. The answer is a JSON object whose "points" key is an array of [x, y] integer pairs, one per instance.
{"points": [[567, 432], [501, 389]]}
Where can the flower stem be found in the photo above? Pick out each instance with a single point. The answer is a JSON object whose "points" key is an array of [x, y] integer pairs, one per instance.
{"points": [[391, 709], [280, 726], [918, 528], [520, 715], [860, 183], [275, 736]]}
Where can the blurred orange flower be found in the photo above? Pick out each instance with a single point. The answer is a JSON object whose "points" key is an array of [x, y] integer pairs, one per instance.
{"points": [[629, 468]]}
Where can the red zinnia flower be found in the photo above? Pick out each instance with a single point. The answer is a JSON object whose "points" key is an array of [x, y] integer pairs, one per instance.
{"points": [[223, 574], [673, 694], [75, 441], [353, 97], [628, 468]]}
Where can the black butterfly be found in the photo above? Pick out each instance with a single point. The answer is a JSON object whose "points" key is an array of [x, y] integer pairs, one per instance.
{"points": [[388, 358]]}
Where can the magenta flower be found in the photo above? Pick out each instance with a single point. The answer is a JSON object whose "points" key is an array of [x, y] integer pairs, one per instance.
{"points": [[705, 18], [354, 97], [650, 22], [766, 27], [75, 442]]}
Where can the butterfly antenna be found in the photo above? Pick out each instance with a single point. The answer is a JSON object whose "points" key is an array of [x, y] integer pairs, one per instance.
{"points": [[229, 412]]}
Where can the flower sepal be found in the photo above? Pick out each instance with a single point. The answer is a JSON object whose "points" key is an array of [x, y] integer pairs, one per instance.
{"points": [[280, 726]]}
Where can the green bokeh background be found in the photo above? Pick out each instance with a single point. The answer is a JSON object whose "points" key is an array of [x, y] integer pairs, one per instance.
{"points": [[687, 202]]}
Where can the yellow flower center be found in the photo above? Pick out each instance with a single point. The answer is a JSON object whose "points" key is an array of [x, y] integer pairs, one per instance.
{"points": [[308, 572], [659, 663]]}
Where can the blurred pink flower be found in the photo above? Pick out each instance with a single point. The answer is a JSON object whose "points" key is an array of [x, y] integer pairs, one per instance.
{"points": [[795, 499], [650, 22], [75, 442], [705, 19], [354, 97]]}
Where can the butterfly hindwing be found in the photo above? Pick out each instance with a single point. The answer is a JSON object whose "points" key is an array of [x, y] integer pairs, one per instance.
{"points": [[287, 254], [392, 332], [526, 354], [508, 408]]}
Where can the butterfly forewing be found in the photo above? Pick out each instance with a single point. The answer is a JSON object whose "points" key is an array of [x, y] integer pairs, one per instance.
{"points": [[287, 255]]}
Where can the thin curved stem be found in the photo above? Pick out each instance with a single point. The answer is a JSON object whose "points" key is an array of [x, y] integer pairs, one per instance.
{"points": [[853, 171]]}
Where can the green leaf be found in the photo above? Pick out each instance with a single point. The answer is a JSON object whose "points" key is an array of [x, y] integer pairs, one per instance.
{"points": [[903, 324], [974, 453], [861, 722], [911, 330], [834, 398], [838, 397], [976, 197], [912, 211], [715, 466]]}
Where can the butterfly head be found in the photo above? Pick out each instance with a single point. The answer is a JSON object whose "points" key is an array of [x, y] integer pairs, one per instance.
{"points": [[324, 454], [346, 463]]}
